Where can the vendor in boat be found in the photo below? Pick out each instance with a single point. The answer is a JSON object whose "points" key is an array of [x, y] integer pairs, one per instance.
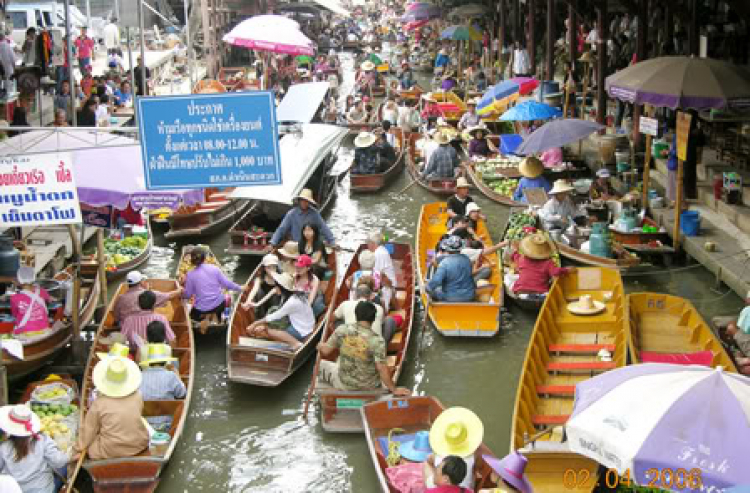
{"points": [[386, 151], [206, 283], [358, 114], [559, 211], [458, 202], [135, 327], [302, 213], [431, 111], [470, 119], [113, 427], [406, 76], [26, 455], [366, 155], [531, 171], [453, 280], [535, 268], [291, 323], [444, 160], [127, 303], [509, 473], [384, 326], [29, 306], [263, 293], [361, 363], [601, 188], [160, 378], [480, 145]]}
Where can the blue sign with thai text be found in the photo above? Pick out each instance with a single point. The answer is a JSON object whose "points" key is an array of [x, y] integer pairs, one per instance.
{"points": [[209, 140]]}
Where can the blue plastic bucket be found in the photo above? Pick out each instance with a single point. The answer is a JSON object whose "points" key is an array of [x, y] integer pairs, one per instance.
{"points": [[390, 248], [690, 223]]}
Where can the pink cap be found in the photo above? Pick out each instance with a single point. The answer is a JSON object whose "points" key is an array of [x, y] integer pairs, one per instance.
{"points": [[303, 261]]}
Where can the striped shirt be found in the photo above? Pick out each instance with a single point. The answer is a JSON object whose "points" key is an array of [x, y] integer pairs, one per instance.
{"points": [[135, 325], [127, 303], [160, 384]]}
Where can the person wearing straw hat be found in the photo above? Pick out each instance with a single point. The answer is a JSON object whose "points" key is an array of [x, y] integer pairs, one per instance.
{"points": [[295, 317], [509, 473], [367, 78], [534, 266], [112, 426], [444, 160], [480, 145], [469, 119], [160, 379], [559, 210], [303, 212], [29, 306], [366, 156], [531, 177], [127, 303], [453, 279], [457, 431], [29, 457], [458, 202]]}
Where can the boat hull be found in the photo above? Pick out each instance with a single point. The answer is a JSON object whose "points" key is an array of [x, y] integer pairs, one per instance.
{"points": [[375, 182]]}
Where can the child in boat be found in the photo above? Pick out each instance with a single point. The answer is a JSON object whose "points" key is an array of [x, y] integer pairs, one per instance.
{"points": [[263, 294], [366, 261], [29, 306], [307, 282], [534, 266]]}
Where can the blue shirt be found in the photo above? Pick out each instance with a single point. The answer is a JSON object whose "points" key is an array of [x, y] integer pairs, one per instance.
{"points": [[293, 222], [672, 159], [441, 60], [538, 182], [443, 163], [454, 277]]}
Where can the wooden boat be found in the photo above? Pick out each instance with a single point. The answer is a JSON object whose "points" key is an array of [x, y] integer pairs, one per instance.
{"points": [[184, 266], [207, 86], [140, 474], [450, 104], [475, 178], [468, 319], [412, 94], [666, 328], [121, 270], [364, 183], [39, 352], [623, 261], [410, 414], [211, 216], [562, 352], [339, 408], [440, 186], [235, 79], [264, 362]]}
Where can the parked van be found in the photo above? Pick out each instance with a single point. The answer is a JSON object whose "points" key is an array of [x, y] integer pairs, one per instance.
{"points": [[48, 15]]}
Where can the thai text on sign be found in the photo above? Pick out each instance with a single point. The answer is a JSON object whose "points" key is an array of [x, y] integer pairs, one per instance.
{"points": [[38, 190]]}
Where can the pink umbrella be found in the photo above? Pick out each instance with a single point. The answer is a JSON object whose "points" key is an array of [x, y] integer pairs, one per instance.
{"points": [[526, 84], [272, 33], [415, 24]]}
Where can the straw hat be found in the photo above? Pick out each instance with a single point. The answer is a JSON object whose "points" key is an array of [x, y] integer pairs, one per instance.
{"points": [[586, 306], [456, 431], [472, 207], [472, 102], [19, 421], [117, 349], [157, 353], [26, 275], [531, 167], [307, 194], [284, 280], [368, 66], [269, 260], [290, 250], [452, 244], [477, 128], [535, 246], [115, 376], [418, 449], [561, 186], [441, 138], [365, 139], [461, 182], [366, 260], [511, 469]]}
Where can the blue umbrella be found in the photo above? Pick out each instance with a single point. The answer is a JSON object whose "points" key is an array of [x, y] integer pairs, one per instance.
{"points": [[498, 92], [461, 33], [530, 110], [557, 133]]}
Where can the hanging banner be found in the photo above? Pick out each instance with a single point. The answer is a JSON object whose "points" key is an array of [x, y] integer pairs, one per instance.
{"points": [[683, 134], [38, 190], [101, 217], [209, 140]]}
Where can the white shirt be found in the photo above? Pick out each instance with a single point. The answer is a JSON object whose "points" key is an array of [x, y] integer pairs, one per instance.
{"points": [[384, 264], [428, 148], [299, 312], [346, 309], [468, 481], [592, 38], [101, 114], [521, 64], [390, 115], [7, 58], [8, 484], [111, 35], [557, 213]]}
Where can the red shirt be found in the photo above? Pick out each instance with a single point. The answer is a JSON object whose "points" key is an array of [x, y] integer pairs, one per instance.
{"points": [[534, 275], [85, 47], [448, 488]]}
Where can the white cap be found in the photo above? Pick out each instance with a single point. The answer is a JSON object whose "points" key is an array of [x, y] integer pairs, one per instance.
{"points": [[471, 207], [603, 173], [135, 277], [26, 274]]}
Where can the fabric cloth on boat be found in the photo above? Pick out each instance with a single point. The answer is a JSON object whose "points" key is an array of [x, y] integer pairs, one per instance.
{"points": [[406, 478], [34, 473], [552, 157], [207, 284], [453, 280], [113, 428], [524, 183], [127, 303], [30, 310], [295, 219], [443, 163], [360, 350], [534, 275], [366, 161]]}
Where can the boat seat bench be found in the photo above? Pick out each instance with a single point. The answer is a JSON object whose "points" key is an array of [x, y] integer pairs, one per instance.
{"points": [[556, 390], [559, 366], [580, 348], [554, 419]]}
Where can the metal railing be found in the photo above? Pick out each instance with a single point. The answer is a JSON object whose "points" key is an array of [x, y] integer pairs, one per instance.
{"points": [[30, 139]]}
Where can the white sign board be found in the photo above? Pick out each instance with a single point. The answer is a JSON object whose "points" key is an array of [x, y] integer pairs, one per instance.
{"points": [[38, 190], [649, 126]]}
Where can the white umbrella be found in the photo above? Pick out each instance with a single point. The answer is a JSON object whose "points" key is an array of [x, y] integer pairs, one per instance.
{"points": [[276, 34]]}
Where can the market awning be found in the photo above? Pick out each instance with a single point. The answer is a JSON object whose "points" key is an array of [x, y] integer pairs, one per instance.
{"points": [[300, 157], [334, 6], [302, 102]]}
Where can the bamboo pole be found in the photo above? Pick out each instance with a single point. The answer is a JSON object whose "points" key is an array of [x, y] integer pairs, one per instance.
{"points": [[75, 314], [101, 265]]}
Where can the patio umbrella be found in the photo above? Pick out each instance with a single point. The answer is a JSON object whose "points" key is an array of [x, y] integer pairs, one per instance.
{"points": [[530, 110], [496, 96], [421, 12], [274, 35], [470, 10], [682, 82], [526, 84], [461, 33], [271, 21], [557, 133], [409, 26], [692, 420]]}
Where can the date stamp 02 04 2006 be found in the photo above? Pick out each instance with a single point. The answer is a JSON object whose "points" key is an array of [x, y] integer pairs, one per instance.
{"points": [[657, 478]]}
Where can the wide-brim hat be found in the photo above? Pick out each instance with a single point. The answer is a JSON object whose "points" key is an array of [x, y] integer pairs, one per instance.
{"points": [[115, 376], [416, 450], [365, 139], [536, 247], [367, 66], [531, 167], [456, 431], [284, 280], [511, 469], [586, 306], [26, 275], [472, 207], [366, 260], [269, 260], [158, 353], [290, 249], [19, 421], [441, 138], [462, 182], [561, 186], [307, 194], [477, 128], [117, 349]]}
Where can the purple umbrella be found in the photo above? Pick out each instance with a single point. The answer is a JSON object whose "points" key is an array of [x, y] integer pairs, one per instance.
{"points": [[557, 133], [421, 12]]}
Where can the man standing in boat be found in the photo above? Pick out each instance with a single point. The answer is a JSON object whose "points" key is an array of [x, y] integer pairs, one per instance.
{"points": [[127, 304], [301, 214]]}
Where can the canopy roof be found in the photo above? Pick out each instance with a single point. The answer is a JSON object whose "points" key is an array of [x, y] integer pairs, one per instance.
{"points": [[301, 102]]}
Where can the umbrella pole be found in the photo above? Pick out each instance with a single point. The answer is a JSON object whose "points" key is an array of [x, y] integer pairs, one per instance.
{"points": [[647, 165], [678, 206], [101, 265]]}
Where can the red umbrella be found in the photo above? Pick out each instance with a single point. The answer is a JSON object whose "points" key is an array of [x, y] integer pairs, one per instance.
{"points": [[415, 25], [526, 84]]}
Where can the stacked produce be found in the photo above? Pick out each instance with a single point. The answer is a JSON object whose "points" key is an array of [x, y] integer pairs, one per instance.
{"points": [[58, 415], [494, 173], [123, 251], [521, 224]]}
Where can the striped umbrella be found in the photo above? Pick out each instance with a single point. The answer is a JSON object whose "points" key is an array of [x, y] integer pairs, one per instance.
{"points": [[497, 96], [461, 33], [526, 84]]}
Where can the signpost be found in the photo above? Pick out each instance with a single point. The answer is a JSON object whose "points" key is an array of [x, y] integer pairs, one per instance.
{"points": [[649, 127], [209, 140]]}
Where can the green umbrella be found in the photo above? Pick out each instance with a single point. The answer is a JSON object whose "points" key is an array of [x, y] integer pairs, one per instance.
{"points": [[304, 60]]}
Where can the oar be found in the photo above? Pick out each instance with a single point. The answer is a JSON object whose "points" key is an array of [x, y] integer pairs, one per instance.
{"points": [[426, 321], [76, 470], [312, 387], [407, 187]]}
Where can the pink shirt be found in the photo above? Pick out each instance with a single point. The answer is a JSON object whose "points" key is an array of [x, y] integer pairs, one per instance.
{"points": [[552, 157], [136, 324], [39, 319], [534, 275], [85, 47]]}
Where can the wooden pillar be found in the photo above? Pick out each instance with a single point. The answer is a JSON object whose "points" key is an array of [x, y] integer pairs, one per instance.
{"points": [[694, 31], [601, 60], [102, 266], [208, 37], [551, 38], [669, 27], [501, 37], [572, 33], [647, 163], [640, 53], [531, 19]]}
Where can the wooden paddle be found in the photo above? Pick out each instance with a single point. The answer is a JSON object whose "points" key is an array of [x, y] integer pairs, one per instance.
{"points": [[72, 478], [407, 187], [312, 387]]}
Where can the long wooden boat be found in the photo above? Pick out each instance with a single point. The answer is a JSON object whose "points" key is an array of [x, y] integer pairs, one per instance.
{"points": [[39, 352], [410, 414], [439, 186], [140, 474], [121, 270], [340, 408], [211, 216], [562, 352], [666, 328], [184, 266], [624, 260], [371, 183], [529, 304], [468, 319], [477, 181], [264, 362], [450, 105]]}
